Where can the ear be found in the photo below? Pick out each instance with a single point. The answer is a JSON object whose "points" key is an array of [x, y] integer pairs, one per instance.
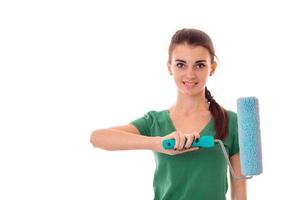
{"points": [[169, 68], [213, 68]]}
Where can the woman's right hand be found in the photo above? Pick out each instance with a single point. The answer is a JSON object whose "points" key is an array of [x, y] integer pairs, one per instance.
{"points": [[179, 143]]}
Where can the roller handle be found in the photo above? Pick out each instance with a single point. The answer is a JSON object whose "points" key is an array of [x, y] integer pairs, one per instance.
{"points": [[205, 141]]}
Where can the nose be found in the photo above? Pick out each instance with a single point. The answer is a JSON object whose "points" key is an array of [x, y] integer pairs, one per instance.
{"points": [[190, 72]]}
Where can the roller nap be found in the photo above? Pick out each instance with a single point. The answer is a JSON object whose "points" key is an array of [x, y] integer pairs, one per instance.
{"points": [[249, 136]]}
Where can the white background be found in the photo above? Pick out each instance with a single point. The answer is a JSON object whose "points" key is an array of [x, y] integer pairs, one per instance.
{"points": [[70, 67]]}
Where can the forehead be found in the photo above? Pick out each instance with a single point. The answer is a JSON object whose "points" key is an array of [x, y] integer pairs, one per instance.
{"points": [[188, 52]]}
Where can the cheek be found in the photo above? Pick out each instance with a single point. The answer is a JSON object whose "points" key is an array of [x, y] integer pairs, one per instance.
{"points": [[177, 78], [202, 82], [204, 79], [201, 77]]}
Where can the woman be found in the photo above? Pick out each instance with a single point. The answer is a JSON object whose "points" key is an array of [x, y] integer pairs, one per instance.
{"points": [[185, 173]]}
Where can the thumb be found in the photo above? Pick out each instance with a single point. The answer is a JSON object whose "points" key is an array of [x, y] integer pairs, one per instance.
{"points": [[170, 136]]}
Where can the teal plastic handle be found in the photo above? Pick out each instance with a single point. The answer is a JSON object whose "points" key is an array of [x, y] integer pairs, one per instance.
{"points": [[205, 141]]}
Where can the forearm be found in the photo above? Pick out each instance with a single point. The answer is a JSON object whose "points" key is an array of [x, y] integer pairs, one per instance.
{"points": [[112, 140], [238, 186], [238, 192]]}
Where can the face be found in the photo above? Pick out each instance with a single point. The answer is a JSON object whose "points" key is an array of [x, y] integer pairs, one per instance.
{"points": [[191, 66]]}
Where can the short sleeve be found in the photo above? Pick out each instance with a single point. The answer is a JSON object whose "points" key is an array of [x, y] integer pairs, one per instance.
{"points": [[143, 124], [234, 135]]}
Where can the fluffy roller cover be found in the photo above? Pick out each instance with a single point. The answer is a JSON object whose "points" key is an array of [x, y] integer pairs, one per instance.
{"points": [[249, 136]]}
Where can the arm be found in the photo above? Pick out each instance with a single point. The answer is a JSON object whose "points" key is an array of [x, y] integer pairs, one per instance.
{"points": [[238, 187], [125, 137], [128, 137]]}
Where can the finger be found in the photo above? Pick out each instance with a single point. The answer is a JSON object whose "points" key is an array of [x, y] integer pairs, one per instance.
{"points": [[182, 140], [188, 150], [190, 139], [170, 136], [176, 137], [192, 149], [197, 136]]}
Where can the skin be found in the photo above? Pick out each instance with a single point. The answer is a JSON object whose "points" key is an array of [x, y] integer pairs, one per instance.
{"points": [[191, 107], [193, 64], [190, 64]]}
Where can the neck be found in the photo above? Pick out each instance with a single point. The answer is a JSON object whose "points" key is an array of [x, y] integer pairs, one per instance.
{"points": [[188, 105]]}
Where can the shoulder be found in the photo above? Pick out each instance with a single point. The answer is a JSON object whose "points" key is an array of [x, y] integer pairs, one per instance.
{"points": [[147, 122], [232, 117], [232, 139], [155, 114], [231, 114], [232, 122]]}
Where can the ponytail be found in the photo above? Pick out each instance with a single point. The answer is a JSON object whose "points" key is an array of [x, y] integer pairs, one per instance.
{"points": [[219, 115]]}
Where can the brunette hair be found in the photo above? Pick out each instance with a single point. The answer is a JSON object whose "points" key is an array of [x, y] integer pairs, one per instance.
{"points": [[195, 37]]}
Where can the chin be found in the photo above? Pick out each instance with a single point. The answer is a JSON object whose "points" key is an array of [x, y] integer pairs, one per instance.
{"points": [[191, 93]]}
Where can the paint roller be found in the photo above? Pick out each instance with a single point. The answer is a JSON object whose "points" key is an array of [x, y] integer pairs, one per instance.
{"points": [[249, 139]]}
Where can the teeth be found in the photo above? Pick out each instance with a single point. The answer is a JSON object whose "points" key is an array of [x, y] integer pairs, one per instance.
{"points": [[189, 83]]}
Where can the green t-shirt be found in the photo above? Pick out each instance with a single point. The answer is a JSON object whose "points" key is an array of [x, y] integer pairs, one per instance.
{"points": [[196, 175]]}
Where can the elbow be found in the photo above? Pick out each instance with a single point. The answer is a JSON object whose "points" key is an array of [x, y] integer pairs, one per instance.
{"points": [[93, 138], [97, 140]]}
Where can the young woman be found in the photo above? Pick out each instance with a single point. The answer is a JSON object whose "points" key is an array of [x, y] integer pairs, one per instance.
{"points": [[185, 173]]}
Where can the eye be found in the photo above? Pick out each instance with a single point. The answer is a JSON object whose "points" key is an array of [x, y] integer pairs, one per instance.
{"points": [[179, 65], [200, 65]]}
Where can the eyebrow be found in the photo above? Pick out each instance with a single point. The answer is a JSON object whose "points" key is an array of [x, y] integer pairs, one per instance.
{"points": [[178, 60]]}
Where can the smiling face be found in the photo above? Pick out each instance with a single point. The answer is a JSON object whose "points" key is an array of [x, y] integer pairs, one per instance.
{"points": [[191, 66]]}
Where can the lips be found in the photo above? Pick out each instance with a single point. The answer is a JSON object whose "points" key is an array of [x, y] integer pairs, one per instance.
{"points": [[189, 83]]}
